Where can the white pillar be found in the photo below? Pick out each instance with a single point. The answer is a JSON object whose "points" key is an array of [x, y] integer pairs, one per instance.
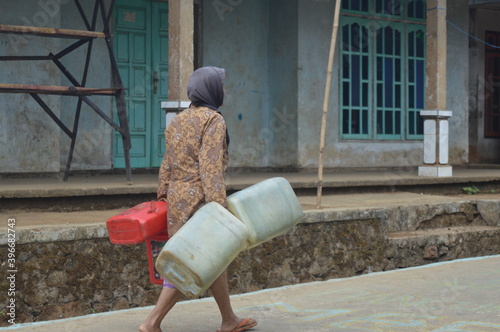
{"points": [[172, 108], [436, 134], [436, 116]]}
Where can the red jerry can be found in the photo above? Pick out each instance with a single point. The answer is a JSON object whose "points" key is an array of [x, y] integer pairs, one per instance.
{"points": [[139, 223], [145, 222]]}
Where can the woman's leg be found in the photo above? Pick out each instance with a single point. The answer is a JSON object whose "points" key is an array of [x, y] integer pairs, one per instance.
{"points": [[220, 291], [168, 298]]}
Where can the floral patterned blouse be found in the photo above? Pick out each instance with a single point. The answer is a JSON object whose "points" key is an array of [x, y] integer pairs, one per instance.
{"points": [[192, 171]]}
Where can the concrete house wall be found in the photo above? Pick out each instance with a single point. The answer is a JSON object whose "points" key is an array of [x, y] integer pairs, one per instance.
{"points": [[457, 80], [360, 153], [275, 53], [256, 42], [29, 140], [272, 71]]}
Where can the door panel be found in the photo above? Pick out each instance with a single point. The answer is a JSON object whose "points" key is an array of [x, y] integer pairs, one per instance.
{"points": [[141, 46], [160, 61]]}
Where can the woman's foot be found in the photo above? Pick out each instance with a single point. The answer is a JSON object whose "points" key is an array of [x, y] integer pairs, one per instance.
{"points": [[239, 325], [146, 327]]}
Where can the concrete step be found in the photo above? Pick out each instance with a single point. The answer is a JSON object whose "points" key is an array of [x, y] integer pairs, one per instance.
{"points": [[415, 248], [399, 214], [104, 192], [441, 233]]}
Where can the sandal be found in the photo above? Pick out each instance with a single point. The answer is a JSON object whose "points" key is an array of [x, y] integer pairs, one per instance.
{"points": [[246, 324]]}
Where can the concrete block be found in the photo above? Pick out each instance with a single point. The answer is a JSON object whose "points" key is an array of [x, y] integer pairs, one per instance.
{"points": [[436, 171], [436, 113]]}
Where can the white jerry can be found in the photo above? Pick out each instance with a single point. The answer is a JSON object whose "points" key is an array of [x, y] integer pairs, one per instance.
{"points": [[202, 249], [268, 209]]}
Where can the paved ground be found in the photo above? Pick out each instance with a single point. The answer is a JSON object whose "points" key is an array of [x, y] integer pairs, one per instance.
{"points": [[462, 295]]}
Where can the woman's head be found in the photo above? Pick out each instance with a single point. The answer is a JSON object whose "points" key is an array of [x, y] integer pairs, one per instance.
{"points": [[206, 87]]}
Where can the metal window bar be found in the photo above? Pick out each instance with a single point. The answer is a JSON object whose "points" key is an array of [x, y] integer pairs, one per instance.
{"points": [[388, 83], [415, 82], [399, 102], [355, 80]]}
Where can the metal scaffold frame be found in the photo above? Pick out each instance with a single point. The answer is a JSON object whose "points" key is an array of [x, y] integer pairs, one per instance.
{"points": [[78, 88]]}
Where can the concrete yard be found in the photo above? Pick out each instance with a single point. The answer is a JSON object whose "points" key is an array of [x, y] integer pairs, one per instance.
{"points": [[444, 297]]}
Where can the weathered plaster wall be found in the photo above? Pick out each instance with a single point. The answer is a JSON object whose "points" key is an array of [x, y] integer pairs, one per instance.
{"points": [[482, 149], [282, 121], [458, 81], [93, 148], [256, 41], [29, 139], [235, 37], [315, 27]]}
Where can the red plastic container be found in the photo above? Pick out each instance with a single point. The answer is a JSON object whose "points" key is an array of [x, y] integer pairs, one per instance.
{"points": [[139, 223]]}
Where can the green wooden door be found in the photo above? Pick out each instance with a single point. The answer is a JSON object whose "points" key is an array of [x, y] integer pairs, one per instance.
{"points": [[141, 51]]}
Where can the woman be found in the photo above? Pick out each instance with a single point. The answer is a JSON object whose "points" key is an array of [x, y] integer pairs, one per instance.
{"points": [[191, 175]]}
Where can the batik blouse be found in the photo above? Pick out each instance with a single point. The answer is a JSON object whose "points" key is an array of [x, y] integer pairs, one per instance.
{"points": [[192, 171]]}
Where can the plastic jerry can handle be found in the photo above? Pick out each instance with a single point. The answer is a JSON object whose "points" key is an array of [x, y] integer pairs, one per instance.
{"points": [[152, 207]]}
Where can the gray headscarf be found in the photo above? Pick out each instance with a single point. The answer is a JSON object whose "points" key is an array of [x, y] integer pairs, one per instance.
{"points": [[206, 87]]}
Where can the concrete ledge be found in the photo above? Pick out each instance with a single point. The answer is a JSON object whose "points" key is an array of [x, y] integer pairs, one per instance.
{"points": [[435, 171], [58, 234], [147, 183], [396, 212]]}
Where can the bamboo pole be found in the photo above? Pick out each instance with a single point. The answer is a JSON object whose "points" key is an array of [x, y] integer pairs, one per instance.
{"points": [[325, 102]]}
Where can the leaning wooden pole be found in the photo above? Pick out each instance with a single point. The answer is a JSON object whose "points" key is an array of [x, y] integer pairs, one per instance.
{"points": [[325, 102]]}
